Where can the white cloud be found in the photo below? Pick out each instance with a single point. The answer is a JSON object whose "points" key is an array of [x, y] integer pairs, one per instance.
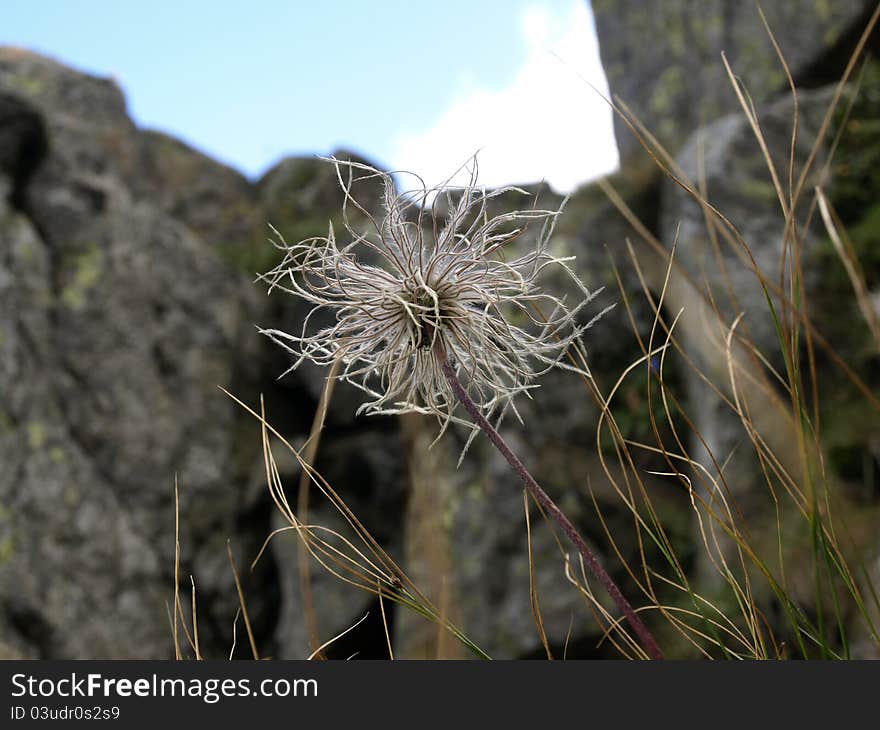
{"points": [[546, 123]]}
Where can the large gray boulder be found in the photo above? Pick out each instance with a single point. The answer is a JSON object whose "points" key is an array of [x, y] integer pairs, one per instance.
{"points": [[725, 158], [716, 283], [126, 281], [664, 58], [118, 323]]}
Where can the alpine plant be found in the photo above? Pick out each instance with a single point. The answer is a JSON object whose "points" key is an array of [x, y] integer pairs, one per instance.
{"points": [[415, 276]]}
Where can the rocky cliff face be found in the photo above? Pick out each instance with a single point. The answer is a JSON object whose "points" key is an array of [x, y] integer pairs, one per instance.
{"points": [[127, 262], [108, 360], [678, 87], [125, 305], [127, 281], [698, 120], [663, 59]]}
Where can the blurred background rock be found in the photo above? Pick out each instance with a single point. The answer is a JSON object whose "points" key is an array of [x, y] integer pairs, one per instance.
{"points": [[127, 262]]}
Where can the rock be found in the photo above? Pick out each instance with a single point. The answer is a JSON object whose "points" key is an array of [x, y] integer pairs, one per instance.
{"points": [[125, 305], [214, 201], [118, 324], [22, 142], [467, 544], [490, 553], [61, 517], [467, 550], [739, 185], [677, 86], [707, 280], [664, 59]]}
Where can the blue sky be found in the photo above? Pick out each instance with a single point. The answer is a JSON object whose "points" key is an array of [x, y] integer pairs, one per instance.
{"points": [[415, 85]]}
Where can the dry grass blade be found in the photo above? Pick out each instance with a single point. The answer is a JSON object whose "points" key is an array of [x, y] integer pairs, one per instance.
{"points": [[534, 599], [338, 636], [243, 605], [234, 634], [625, 644], [310, 453], [195, 622], [365, 565], [384, 621], [667, 165], [176, 618]]}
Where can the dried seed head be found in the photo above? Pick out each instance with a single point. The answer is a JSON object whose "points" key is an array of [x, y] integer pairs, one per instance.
{"points": [[412, 279]]}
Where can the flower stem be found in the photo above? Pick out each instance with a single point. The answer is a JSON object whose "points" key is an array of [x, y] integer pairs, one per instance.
{"points": [[592, 562]]}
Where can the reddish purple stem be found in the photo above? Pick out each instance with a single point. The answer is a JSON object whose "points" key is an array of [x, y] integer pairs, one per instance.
{"points": [[647, 639]]}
